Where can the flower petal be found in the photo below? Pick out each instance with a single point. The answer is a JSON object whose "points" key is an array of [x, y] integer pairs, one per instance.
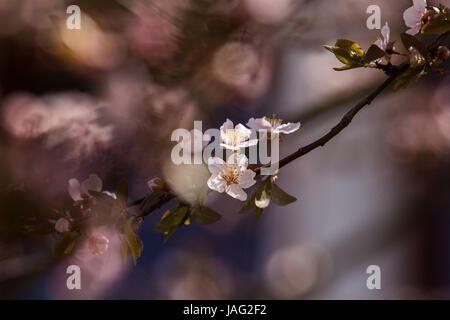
{"points": [[243, 131], [216, 165], [227, 146], [236, 192], [420, 5], [386, 32], [217, 183], [259, 124], [92, 183], [75, 189], [111, 194], [238, 159], [288, 128], [249, 143], [412, 17], [415, 30], [247, 179], [228, 125]]}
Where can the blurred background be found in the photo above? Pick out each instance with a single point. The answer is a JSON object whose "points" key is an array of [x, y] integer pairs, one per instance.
{"points": [[104, 99]]}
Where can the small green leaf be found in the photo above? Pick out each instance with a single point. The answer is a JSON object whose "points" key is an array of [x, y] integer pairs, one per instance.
{"points": [[280, 197], [374, 53], [349, 53], [250, 204], [65, 244], [439, 24], [258, 213], [122, 192], [205, 215], [173, 219], [169, 233], [411, 75], [411, 41], [351, 46], [153, 201], [125, 251], [132, 239], [40, 229], [101, 196]]}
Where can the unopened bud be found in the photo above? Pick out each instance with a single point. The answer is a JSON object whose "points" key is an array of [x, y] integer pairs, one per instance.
{"points": [[62, 225], [156, 184], [442, 53]]}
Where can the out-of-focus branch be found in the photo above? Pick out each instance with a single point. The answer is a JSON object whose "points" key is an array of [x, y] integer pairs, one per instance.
{"points": [[331, 104]]}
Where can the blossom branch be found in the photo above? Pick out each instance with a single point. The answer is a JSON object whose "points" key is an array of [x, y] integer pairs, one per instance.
{"points": [[394, 71]]}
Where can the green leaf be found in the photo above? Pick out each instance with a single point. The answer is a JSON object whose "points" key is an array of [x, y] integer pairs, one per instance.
{"points": [[65, 244], [173, 219], [102, 210], [439, 24], [153, 201], [258, 213], [351, 46], [101, 196], [411, 75], [125, 251], [349, 53], [120, 205], [374, 53], [132, 239], [250, 204], [262, 199], [122, 192], [40, 229], [205, 215], [280, 197], [411, 41]]}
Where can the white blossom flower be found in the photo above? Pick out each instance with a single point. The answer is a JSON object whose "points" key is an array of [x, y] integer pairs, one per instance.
{"points": [[62, 225], [235, 138], [272, 125], [195, 142], [78, 190], [98, 244], [231, 176], [413, 16]]}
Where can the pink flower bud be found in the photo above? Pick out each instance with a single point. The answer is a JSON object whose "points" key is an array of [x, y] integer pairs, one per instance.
{"points": [[62, 225], [98, 244], [155, 183], [443, 53]]}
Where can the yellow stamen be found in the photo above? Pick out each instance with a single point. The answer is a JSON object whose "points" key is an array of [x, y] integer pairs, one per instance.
{"points": [[274, 121], [232, 175]]}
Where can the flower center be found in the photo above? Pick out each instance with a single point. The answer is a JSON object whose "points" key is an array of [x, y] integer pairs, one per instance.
{"points": [[234, 137], [232, 174], [274, 122]]}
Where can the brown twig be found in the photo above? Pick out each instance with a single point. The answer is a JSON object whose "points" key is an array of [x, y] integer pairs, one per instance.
{"points": [[395, 72]]}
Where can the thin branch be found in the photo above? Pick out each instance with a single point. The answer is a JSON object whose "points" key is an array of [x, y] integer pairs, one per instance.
{"points": [[345, 121], [348, 117]]}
